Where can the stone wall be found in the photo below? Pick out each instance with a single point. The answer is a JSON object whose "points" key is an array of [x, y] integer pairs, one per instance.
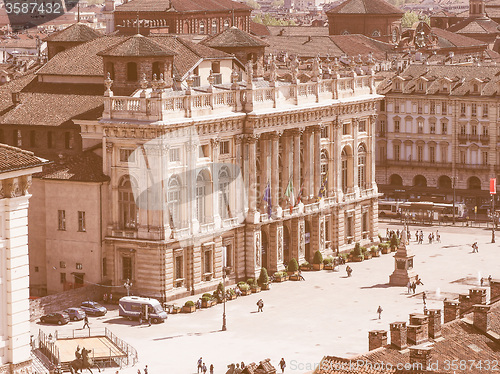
{"points": [[63, 300]]}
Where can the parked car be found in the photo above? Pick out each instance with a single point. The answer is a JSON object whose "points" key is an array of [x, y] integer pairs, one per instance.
{"points": [[59, 318], [92, 308], [75, 314]]}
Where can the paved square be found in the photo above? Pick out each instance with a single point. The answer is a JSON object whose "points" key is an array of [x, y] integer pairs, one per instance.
{"points": [[328, 314]]}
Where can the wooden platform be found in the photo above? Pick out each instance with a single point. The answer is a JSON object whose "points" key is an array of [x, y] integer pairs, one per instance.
{"points": [[100, 346]]}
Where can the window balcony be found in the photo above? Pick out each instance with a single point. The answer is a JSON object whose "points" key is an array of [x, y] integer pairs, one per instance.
{"points": [[462, 138], [485, 139], [474, 137]]}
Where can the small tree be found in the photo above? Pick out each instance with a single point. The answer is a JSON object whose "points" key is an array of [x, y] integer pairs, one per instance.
{"points": [[394, 241], [357, 249], [318, 258], [293, 265], [263, 277]]}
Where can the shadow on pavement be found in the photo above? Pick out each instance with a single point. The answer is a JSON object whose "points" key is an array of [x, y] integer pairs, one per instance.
{"points": [[380, 285], [122, 321]]}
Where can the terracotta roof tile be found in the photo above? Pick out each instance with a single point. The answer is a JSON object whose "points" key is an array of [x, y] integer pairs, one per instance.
{"points": [[365, 7], [448, 39], [182, 6], [233, 38], [78, 32], [136, 46], [259, 29], [475, 26], [12, 158], [84, 167]]}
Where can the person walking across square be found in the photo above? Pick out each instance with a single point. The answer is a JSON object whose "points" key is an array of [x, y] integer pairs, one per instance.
{"points": [[260, 304], [379, 311], [200, 364], [86, 322], [282, 365]]}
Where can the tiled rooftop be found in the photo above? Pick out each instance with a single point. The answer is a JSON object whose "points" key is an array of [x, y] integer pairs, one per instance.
{"points": [[12, 158], [78, 32], [365, 7], [233, 38], [181, 6]]}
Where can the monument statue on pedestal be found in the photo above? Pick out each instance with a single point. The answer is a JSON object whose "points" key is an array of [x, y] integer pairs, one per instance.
{"points": [[403, 263]]}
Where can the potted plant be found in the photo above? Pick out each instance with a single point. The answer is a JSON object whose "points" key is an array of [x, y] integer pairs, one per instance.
{"points": [[244, 288], [280, 276], [366, 253], [318, 261], [375, 251], [219, 293], [254, 287], [293, 267], [230, 294], [188, 307], [207, 300], [175, 309], [384, 247], [305, 266], [328, 263], [263, 279], [356, 254]]}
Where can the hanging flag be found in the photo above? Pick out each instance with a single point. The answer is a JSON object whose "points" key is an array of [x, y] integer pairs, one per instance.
{"points": [[289, 194], [299, 196], [267, 199], [322, 190]]}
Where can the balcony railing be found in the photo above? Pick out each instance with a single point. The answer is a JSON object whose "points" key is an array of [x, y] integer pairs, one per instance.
{"points": [[485, 139]]}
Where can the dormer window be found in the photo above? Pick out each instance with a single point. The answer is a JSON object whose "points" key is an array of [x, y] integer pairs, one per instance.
{"points": [[476, 88], [420, 86], [445, 88], [398, 86]]}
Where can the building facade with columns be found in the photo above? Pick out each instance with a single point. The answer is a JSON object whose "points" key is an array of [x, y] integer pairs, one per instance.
{"points": [[199, 178], [438, 131], [16, 168]]}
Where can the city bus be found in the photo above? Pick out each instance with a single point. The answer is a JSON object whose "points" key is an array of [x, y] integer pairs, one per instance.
{"points": [[389, 208], [430, 211]]}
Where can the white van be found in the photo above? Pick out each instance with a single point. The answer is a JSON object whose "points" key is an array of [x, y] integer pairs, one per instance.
{"points": [[132, 306]]}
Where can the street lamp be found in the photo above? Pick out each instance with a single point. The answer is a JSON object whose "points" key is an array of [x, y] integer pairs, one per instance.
{"points": [[224, 271], [493, 192], [453, 181], [128, 285]]}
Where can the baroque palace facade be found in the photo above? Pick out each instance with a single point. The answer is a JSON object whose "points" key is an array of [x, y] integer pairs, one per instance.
{"points": [[198, 179], [438, 130]]}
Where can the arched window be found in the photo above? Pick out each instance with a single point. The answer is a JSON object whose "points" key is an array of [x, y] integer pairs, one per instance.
{"points": [[395, 180], [345, 32], [226, 24], [202, 27], [444, 182], [362, 167], [110, 69], [127, 206], [324, 170], [131, 72], [174, 201], [420, 181], [376, 34], [474, 183], [214, 26], [345, 165], [202, 190], [224, 209]]}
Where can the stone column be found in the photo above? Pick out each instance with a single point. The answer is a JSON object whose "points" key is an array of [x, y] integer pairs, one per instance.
{"points": [[275, 190], [355, 124], [308, 164], [251, 142], [337, 145], [215, 183], [286, 140], [264, 170], [296, 163], [372, 152], [192, 149], [317, 160]]}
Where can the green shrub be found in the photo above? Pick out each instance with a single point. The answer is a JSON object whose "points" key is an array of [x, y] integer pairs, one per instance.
{"points": [[220, 288], [305, 264], [231, 291], [383, 245], [394, 241], [206, 294], [373, 248], [364, 250], [250, 281], [189, 303], [241, 283], [207, 297], [357, 249], [327, 260], [244, 287], [318, 258], [293, 265], [263, 277]]}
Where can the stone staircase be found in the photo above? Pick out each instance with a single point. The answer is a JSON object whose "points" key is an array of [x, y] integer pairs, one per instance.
{"points": [[40, 363]]}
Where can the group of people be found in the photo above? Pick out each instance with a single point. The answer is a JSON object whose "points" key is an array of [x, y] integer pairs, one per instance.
{"points": [[203, 368], [412, 286], [145, 370], [237, 369]]}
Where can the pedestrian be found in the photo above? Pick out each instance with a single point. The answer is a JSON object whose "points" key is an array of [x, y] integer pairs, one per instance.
{"points": [[379, 311], [482, 281], [242, 365], [260, 304], [141, 317], [211, 368], [105, 297], [424, 297], [138, 371], [149, 321], [409, 286], [475, 248], [301, 277], [489, 279], [430, 238], [86, 322], [198, 303], [200, 364], [413, 287], [146, 370], [348, 269], [204, 368], [282, 365], [438, 237], [110, 298]]}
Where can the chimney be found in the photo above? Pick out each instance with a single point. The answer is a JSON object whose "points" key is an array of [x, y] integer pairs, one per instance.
{"points": [[482, 317], [434, 323], [477, 295], [477, 8], [494, 289], [465, 303], [420, 358], [399, 335], [377, 339], [418, 329], [451, 310], [15, 98]]}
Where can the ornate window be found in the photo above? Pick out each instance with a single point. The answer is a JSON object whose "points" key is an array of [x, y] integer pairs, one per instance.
{"points": [[224, 210], [202, 27], [324, 170], [174, 201], [214, 26], [202, 190], [345, 170], [127, 207], [362, 167], [376, 34]]}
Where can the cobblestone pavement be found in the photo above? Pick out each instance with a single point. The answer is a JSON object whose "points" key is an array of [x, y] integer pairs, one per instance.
{"points": [[328, 314]]}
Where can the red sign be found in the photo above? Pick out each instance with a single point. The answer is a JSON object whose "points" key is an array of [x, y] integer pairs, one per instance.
{"points": [[493, 186]]}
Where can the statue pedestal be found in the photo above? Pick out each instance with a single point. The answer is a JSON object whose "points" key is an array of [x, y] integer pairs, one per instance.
{"points": [[403, 265]]}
